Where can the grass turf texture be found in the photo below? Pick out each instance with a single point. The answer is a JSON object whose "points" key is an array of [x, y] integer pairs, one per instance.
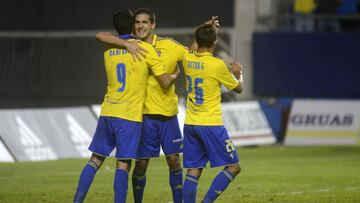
{"points": [[269, 174]]}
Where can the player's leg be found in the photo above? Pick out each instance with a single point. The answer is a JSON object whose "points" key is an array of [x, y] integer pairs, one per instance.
{"points": [[221, 182], [127, 135], [221, 153], [149, 146], [175, 177], [103, 134], [195, 160], [121, 180], [139, 179], [87, 177], [172, 144], [191, 184], [234, 169]]}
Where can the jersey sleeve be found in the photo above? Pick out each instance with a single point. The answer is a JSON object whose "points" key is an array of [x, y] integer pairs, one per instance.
{"points": [[225, 77], [179, 50], [153, 60]]}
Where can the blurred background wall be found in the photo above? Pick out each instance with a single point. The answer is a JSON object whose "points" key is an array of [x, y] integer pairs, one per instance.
{"points": [[304, 51], [94, 14], [49, 55]]}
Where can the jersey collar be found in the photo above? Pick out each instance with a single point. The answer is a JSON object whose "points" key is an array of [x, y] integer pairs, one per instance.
{"points": [[126, 36], [154, 40], [203, 54]]}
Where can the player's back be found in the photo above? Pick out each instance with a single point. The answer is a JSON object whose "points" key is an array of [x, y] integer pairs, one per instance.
{"points": [[204, 76], [126, 82]]}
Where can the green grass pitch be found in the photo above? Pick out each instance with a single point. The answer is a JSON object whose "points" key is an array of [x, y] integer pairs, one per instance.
{"points": [[269, 174]]}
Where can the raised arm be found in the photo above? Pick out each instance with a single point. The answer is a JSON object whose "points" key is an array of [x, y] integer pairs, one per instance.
{"points": [[236, 69], [132, 47], [214, 21]]}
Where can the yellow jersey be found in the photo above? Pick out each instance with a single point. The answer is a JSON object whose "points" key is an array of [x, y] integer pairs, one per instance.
{"points": [[204, 76], [126, 82], [158, 100]]}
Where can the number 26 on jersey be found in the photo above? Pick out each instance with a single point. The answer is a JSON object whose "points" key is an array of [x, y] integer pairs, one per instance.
{"points": [[199, 95]]}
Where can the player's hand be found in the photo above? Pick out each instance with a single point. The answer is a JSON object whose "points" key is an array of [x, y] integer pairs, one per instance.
{"points": [[236, 69], [175, 74], [214, 21], [136, 51]]}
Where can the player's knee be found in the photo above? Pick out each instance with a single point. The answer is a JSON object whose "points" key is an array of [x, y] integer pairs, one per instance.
{"points": [[195, 172], [235, 169], [97, 160], [173, 162], [141, 166], [124, 165]]}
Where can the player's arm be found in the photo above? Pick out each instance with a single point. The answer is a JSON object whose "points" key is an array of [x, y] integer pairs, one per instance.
{"points": [[230, 77], [153, 60], [136, 51], [236, 70], [165, 80], [214, 21]]}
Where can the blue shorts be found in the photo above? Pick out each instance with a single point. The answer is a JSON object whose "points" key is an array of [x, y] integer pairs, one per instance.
{"points": [[114, 132], [208, 143], [160, 130]]}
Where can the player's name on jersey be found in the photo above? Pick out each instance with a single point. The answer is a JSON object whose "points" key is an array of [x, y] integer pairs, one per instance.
{"points": [[115, 52], [195, 65]]}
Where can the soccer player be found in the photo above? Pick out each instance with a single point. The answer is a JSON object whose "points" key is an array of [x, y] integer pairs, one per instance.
{"points": [[160, 126], [120, 120], [205, 138]]}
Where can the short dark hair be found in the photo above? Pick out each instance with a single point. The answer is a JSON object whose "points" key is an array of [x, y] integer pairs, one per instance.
{"points": [[205, 36], [123, 21], [146, 11]]}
